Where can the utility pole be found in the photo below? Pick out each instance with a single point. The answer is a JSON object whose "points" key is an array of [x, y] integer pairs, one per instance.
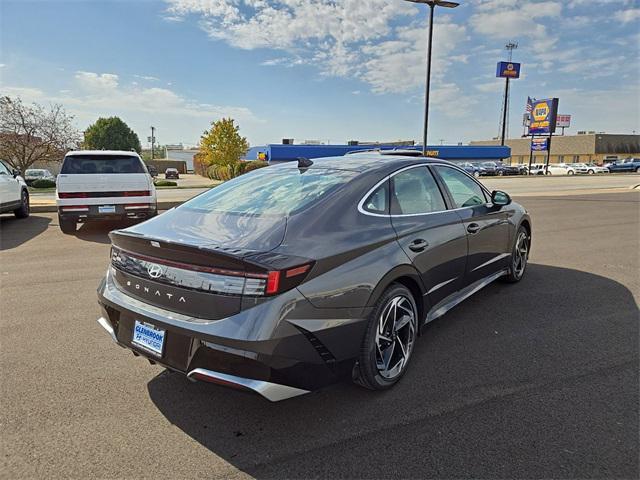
{"points": [[511, 46], [153, 140]]}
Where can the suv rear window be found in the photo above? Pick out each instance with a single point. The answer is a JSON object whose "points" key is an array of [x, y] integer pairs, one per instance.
{"points": [[92, 164], [278, 191]]}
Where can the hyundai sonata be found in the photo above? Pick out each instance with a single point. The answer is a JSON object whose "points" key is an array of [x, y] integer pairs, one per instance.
{"points": [[294, 276]]}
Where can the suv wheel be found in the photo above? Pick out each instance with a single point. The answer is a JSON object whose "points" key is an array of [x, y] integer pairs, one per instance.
{"points": [[591, 171], [519, 256], [638, 170], [66, 225], [24, 209], [389, 339], [570, 172]]}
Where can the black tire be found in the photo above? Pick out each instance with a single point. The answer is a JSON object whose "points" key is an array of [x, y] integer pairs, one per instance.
{"points": [[369, 374], [591, 172], [67, 226], [515, 273], [500, 173], [638, 170], [25, 208]]}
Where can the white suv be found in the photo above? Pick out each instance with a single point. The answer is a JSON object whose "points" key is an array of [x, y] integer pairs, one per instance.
{"points": [[103, 185], [14, 196]]}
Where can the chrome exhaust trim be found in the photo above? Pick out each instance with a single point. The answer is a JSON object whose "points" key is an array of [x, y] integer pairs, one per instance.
{"points": [[273, 392], [104, 323]]}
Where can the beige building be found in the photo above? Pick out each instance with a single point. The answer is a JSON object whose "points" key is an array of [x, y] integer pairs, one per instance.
{"points": [[589, 147]]}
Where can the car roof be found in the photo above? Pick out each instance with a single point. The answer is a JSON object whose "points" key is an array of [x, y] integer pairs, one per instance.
{"points": [[103, 152], [370, 161]]}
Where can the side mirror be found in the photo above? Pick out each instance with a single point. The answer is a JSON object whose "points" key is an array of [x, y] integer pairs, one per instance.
{"points": [[500, 198], [16, 173]]}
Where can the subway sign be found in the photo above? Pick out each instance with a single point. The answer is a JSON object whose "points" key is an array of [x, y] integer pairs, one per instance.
{"points": [[544, 115], [508, 70]]}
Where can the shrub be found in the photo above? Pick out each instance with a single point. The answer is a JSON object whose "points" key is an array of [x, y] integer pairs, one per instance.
{"points": [[42, 183], [165, 183], [232, 170], [254, 165]]}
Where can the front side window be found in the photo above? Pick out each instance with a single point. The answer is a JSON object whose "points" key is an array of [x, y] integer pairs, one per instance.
{"points": [[465, 191], [92, 164], [278, 191], [415, 191], [3, 169]]}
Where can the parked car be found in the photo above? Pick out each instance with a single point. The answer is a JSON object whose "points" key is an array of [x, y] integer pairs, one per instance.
{"points": [[153, 171], [33, 174], [625, 165], [537, 169], [171, 173], [294, 276], [523, 168], [589, 168], [486, 168], [14, 195], [504, 169], [471, 169], [560, 169], [103, 185]]}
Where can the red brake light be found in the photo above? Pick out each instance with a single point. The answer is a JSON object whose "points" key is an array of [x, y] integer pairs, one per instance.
{"points": [[273, 282], [297, 271], [73, 195], [138, 193]]}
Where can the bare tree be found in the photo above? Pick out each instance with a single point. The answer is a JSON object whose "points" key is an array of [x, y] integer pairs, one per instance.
{"points": [[30, 134]]}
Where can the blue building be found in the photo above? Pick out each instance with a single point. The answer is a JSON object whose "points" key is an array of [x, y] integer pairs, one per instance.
{"points": [[276, 152]]}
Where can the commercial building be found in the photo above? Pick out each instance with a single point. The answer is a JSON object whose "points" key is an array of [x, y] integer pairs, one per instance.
{"points": [[290, 152], [585, 148]]}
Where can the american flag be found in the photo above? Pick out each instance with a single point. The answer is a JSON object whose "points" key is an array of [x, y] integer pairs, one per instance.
{"points": [[530, 104]]}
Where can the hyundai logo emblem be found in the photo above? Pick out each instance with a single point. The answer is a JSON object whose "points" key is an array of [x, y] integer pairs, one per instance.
{"points": [[154, 270]]}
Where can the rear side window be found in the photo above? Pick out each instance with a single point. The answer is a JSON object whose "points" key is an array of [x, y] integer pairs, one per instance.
{"points": [[378, 201], [278, 191], [415, 191], [465, 191], [92, 164]]}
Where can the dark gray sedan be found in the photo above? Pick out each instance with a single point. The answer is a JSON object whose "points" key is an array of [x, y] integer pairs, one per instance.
{"points": [[291, 277]]}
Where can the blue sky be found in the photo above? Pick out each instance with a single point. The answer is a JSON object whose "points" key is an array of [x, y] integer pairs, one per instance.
{"points": [[321, 70]]}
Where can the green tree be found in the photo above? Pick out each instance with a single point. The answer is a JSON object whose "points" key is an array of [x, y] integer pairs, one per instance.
{"points": [[222, 144], [111, 134]]}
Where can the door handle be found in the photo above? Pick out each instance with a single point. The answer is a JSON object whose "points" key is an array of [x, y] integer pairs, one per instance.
{"points": [[473, 228], [418, 245]]}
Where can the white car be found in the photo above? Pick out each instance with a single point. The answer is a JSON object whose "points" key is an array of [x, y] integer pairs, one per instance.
{"points": [[103, 185], [589, 168], [14, 195], [537, 169], [560, 169]]}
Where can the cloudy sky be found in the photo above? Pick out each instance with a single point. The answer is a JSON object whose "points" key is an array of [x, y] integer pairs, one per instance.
{"points": [[319, 69]]}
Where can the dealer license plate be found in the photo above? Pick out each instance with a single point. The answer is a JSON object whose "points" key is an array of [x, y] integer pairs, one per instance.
{"points": [[148, 337], [107, 209]]}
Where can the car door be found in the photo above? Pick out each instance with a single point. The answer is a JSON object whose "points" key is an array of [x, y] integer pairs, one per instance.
{"points": [[9, 187], [431, 235], [486, 225]]}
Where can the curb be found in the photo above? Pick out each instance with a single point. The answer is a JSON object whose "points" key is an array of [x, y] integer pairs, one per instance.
{"points": [[53, 208]]}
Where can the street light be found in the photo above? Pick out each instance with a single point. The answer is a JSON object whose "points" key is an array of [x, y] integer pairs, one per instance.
{"points": [[432, 5]]}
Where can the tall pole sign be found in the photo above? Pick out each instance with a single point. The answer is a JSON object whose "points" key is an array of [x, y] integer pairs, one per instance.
{"points": [[508, 70], [543, 115]]}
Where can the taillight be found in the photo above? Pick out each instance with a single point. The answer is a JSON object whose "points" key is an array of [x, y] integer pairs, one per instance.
{"points": [[137, 193], [73, 195], [212, 279]]}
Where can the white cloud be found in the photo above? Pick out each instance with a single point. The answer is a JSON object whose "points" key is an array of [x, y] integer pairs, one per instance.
{"points": [[365, 39], [627, 16], [148, 78], [101, 94]]}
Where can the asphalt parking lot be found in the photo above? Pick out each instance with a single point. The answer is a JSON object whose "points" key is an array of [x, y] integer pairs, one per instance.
{"points": [[538, 379]]}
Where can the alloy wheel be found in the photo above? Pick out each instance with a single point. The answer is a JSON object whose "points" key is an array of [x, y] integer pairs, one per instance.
{"points": [[521, 254], [395, 336]]}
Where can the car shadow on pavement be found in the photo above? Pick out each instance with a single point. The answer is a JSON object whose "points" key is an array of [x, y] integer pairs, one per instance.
{"points": [[16, 231], [98, 232], [525, 380]]}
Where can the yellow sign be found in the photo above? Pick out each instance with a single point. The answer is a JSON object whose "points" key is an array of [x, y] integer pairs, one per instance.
{"points": [[432, 153], [541, 112]]}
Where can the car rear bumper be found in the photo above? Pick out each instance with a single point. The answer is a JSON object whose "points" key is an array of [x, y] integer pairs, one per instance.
{"points": [[81, 213], [279, 349]]}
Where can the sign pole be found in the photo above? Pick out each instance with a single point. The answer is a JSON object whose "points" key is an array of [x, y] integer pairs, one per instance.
{"points": [[530, 155], [546, 166], [504, 111]]}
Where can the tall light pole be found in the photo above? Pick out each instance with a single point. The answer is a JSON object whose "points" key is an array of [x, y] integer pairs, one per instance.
{"points": [[432, 6]]}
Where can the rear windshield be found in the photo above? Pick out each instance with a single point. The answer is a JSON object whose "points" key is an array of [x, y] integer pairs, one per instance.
{"points": [[90, 164], [278, 191]]}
